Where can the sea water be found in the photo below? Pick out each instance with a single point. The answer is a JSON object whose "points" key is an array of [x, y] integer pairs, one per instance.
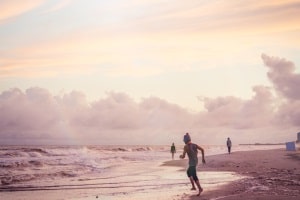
{"points": [[104, 172]]}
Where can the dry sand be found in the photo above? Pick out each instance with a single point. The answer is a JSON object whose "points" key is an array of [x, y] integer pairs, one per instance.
{"points": [[269, 174]]}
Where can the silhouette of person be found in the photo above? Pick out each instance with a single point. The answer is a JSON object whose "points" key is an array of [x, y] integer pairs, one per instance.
{"points": [[229, 144], [173, 150]]}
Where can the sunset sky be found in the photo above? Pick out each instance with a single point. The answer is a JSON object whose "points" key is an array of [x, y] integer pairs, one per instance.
{"points": [[147, 71]]}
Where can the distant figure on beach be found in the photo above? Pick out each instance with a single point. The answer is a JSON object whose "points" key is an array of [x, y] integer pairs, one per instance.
{"points": [[191, 150], [229, 144], [173, 150]]}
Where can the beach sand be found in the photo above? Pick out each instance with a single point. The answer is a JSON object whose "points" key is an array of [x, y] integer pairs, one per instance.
{"points": [[268, 174]]}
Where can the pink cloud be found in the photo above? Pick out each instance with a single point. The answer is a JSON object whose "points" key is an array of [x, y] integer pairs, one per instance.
{"points": [[118, 118], [238, 113], [283, 76], [33, 111]]}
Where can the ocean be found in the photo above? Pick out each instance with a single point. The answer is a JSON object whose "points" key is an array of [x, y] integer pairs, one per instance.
{"points": [[104, 172]]}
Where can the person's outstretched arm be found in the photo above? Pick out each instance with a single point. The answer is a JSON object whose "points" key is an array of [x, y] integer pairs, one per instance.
{"points": [[183, 154], [202, 153]]}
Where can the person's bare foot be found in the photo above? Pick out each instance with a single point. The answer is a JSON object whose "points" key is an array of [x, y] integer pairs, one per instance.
{"points": [[200, 191], [193, 188]]}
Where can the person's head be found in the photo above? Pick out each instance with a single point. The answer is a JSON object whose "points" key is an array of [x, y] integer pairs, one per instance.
{"points": [[186, 138]]}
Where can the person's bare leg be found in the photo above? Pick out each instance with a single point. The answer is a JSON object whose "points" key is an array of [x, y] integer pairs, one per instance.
{"points": [[199, 187], [193, 184]]}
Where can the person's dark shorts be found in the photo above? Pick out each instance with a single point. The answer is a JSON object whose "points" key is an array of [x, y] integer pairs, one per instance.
{"points": [[191, 171]]}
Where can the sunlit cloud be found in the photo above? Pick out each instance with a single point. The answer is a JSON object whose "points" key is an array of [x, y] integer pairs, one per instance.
{"points": [[58, 6], [246, 17], [14, 8], [162, 36], [152, 53]]}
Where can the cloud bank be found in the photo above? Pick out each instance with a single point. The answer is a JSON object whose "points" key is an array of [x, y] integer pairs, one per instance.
{"points": [[36, 116]]}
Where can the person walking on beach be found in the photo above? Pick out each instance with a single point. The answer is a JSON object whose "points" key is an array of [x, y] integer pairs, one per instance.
{"points": [[191, 150], [229, 145], [173, 150]]}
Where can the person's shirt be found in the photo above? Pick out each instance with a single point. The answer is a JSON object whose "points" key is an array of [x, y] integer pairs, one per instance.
{"points": [[173, 149], [229, 143], [192, 152]]}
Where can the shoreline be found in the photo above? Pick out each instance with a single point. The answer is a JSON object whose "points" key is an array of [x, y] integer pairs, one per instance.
{"points": [[247, 175], [269, 174]]}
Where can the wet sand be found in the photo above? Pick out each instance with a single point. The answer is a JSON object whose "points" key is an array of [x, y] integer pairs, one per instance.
{"points": [[269, 174]]}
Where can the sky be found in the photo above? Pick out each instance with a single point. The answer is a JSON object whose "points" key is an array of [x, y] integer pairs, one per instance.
{"points": [[148, 71]]}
